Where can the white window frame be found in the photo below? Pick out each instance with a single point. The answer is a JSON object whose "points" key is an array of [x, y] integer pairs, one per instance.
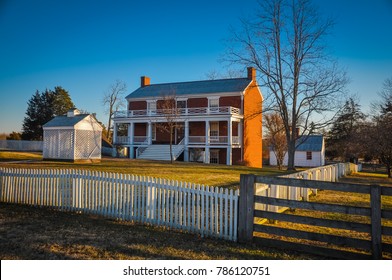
{"points": [[151, 107], [213, 102], [214, 132]]}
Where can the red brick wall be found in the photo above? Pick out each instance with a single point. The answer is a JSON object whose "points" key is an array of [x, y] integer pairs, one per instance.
{"points": [[252, 127], [197, 102], [137, 105], [233, 101], [236, 156], [234, 129], [197, 128], [222, 156], [222, 128], [140, 129]]}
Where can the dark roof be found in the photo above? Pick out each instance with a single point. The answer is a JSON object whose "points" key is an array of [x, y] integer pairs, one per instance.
{"points": [[311, 143], [197, 87], [65, 121]]}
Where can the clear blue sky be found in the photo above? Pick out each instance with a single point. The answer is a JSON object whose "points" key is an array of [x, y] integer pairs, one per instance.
{"points": [[85, 45]]}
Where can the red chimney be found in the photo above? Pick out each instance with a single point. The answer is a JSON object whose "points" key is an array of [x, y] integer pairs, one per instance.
{"points": [[251, 73], [144, 81]]}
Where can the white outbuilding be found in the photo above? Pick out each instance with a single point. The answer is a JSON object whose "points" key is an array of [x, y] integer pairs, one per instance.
{"points": [[310, 152], [73, 137]]}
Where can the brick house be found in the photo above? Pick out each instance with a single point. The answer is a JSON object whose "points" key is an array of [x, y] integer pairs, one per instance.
{"points": [[217, 121]]}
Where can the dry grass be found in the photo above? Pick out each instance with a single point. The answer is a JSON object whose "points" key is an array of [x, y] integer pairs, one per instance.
{"points": [[208, 174], [341, 198], [40, 233]]}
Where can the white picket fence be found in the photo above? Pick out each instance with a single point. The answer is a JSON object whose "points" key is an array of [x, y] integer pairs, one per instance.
{"points": [[327, 173], [193, 208]]}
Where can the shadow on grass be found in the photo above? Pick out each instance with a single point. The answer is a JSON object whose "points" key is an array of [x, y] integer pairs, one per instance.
{"points": [[40, 233]]}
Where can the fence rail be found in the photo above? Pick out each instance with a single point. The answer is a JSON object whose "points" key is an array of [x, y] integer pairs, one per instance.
{"points": [[374, 244], [205, 210], [21, 145]]}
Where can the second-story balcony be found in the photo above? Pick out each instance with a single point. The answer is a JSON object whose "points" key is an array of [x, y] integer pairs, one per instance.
{"points": [[202, 111]]}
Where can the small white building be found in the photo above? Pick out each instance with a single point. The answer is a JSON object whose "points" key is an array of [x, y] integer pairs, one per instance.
{"points": [[309, 153], [73, 137]]}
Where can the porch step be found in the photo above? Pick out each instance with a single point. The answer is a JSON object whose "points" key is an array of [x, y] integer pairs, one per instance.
{"points": [[161, 152]]}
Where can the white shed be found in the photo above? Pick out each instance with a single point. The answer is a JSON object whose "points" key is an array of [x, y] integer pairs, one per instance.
{"points": [[309, 153], [73, 137]]}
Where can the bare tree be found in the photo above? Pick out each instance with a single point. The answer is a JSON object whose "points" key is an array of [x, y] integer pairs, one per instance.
{"points": [[168, 108], [379, 132], [275, 136], [113, 100], [286, 43]]}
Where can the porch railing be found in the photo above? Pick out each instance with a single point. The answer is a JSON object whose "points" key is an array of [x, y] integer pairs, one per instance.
{"points": [[225, 110]]}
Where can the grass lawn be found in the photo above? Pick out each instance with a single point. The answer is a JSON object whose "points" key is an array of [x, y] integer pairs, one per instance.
{"points": [[208, 174], [39, 233]]}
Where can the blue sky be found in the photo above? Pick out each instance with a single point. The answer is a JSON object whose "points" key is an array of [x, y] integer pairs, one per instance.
{"points": [[85, 45]]}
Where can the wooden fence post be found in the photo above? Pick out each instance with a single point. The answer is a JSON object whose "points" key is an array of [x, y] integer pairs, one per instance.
{"points": [[375, 203], [246, 208]]}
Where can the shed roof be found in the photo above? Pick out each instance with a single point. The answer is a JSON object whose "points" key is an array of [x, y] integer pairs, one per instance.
{"points": [[311, 143], [196, 87], [65, 121]]}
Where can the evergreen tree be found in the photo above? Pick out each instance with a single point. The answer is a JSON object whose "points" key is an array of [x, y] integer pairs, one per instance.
{"points": [[42, 107], [343, 139], [61, 101]]}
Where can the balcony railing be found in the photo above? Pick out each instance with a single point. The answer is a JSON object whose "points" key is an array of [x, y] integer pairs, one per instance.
{"points": [[193, 140], [213, 140], [137, 140], [226, 110]]}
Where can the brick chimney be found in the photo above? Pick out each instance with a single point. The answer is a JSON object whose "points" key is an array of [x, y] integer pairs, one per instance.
{"points": [[251, 73], [144, 81], [73, 112]]}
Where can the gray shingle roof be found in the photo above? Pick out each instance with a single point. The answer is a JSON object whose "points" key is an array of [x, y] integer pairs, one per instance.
{"points": [[65, 121], [197, 87], [313, 143]]}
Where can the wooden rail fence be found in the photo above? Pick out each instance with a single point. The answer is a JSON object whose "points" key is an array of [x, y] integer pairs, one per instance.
{"points": [[205, 210], [371, 247]]}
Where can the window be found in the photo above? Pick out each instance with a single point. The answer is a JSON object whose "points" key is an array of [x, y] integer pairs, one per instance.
{"points": [[308, 155], [214, 156], [152, 107], [181, 104], [213, 104], [214, 131]]}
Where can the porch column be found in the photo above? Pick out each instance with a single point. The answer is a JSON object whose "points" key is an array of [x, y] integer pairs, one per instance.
{"points": [[207, 143], [186, 141], [207, 155], [149, 133], [114, 133], [131, 129], [229, 142], [240, 137], [207, 133]]}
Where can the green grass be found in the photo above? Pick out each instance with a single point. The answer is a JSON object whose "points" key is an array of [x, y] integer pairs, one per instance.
{"points": [[207, 174]]}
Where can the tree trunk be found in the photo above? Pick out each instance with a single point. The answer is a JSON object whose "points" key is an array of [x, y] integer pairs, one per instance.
{"points": [[291, 155], [171, 142]]}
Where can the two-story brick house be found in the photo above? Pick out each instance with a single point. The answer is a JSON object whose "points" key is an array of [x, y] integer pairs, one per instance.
{"points": [[217, 121]]}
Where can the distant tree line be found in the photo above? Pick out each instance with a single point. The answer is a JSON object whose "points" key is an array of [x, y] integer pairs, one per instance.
{"points": [[352, 135], [355, 135]]}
